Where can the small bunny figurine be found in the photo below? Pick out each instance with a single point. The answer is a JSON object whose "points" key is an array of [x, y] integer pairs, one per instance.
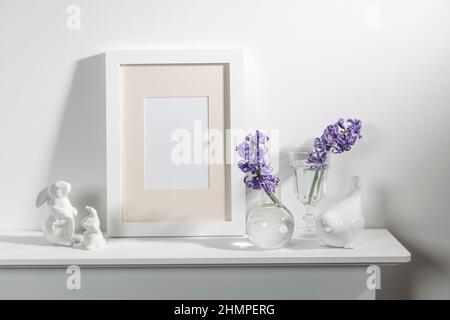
{"points": [[92, 237], [340, 225], [60, 226]]}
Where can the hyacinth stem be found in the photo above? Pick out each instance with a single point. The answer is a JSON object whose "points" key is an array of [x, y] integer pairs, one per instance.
{"points": [[274, 198], [276, 201], [272, 195], [319, 183], [313, 186]]}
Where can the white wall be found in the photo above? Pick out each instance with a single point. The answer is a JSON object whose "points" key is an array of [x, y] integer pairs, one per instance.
{"points": [[306, 64]]}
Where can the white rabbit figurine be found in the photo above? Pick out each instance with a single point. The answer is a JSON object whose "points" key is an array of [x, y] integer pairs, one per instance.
{"points": [[340, 224], [92, 237], [60, 226]]}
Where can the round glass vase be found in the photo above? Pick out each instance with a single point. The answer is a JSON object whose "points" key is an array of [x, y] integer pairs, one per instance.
{"points": [[309, 187], [270, 225]]}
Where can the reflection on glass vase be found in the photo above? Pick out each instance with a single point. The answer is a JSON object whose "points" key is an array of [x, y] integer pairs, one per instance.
{"points": [[309, 187], [270, 225]]}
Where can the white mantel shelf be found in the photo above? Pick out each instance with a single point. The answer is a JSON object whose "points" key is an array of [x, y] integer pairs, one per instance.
{"points": [[28, 248]]}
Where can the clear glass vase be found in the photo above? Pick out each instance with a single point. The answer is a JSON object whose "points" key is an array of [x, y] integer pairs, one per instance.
{"points": [[309, 188], [270, 225]]}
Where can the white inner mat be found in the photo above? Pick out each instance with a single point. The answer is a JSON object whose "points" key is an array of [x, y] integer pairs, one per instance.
{"points": [[175, 142]]}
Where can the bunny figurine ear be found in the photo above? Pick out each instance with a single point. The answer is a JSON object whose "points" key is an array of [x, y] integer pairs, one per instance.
{"points": [[42, 197]]}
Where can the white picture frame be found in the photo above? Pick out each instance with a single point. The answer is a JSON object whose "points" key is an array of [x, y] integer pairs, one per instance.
{"points": [[116, 226]]}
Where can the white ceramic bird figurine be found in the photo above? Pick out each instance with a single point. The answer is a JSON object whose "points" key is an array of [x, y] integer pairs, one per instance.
{"points": [[341, 223]]}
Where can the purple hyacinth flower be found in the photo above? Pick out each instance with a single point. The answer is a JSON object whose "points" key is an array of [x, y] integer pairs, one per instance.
{"points": [[258, 174], [338, 137], [355, 125], [243, 150], [318, 158], [320, 145]]}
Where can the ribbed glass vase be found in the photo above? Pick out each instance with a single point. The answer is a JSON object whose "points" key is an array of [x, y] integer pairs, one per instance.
{"points": [[309, 188]]}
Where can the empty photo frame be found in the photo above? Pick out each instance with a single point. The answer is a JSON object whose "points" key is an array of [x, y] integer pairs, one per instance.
{"points": [[168, 115]]}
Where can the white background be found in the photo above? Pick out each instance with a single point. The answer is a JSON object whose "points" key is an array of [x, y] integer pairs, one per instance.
{"points": [[306, 63]]}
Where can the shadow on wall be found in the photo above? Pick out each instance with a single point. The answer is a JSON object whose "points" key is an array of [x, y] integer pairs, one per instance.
{"points": [[401, 281], [80, 150], [395, 280]]}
